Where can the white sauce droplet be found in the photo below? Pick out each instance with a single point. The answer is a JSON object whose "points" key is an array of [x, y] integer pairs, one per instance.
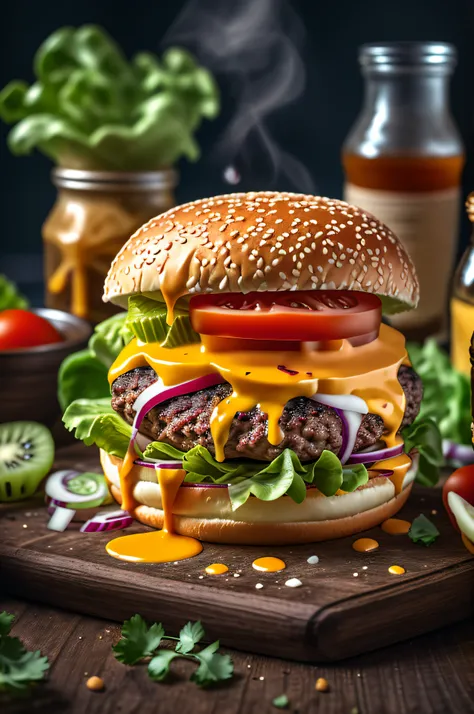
{"points": [[313, 560], [293, 583]]}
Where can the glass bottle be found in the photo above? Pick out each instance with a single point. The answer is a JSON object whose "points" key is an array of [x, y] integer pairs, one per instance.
{"points": [[462, 304], [403, 160], [95, 213]]}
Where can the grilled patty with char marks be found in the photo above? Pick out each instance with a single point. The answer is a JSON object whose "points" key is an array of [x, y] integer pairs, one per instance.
{"points": [[308, 427]]}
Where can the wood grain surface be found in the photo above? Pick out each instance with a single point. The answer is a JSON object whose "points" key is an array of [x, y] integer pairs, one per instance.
{"points": [[432, 674], [334, 614]]}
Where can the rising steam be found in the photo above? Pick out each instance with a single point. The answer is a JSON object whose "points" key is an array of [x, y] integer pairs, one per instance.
{"points": [[252, 46]]}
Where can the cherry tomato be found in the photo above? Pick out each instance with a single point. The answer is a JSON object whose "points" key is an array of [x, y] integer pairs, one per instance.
{"points": [[307, 315], [20, 328], [461, 482]]}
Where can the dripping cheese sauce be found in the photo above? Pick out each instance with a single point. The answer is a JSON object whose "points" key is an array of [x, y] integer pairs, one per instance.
{"points": [[369, 371]]}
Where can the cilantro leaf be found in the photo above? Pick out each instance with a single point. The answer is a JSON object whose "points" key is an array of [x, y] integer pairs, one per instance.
{"points": [[423, 531], [18, 667], [190, 635], [213, 667], [6, 621], [160, 664], [281, 702], [138, 640]]}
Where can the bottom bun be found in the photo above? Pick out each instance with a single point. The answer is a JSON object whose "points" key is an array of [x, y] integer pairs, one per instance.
{"points": [[205, 512]]}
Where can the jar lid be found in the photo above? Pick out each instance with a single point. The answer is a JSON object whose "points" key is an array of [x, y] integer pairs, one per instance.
{"points": [[434, 57], [129, 181]]}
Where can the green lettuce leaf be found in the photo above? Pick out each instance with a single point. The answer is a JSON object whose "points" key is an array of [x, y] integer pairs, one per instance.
{"points": [[109, 338], [284, 475], [95, 422], [424, 437], [10, 298], [92, 108], [446, 392], [84, 374]]}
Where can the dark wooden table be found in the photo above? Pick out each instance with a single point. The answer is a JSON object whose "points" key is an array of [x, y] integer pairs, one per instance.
{"points": [[433, 674]]}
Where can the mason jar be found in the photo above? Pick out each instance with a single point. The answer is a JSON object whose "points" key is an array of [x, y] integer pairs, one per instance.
{"points": [[94, 215], [403, 160]]}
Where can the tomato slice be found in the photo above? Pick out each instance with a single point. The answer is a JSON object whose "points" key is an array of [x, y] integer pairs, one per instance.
{"points": [[304, 316], [20, 329], [461, 482]]}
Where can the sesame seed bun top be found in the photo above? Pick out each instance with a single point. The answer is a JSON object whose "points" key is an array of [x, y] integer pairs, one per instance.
{"points": [[263, 241]]}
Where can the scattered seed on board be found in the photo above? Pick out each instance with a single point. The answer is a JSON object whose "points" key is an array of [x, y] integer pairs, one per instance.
{"points": [[322, 685], [95, 684], [259, 586]]}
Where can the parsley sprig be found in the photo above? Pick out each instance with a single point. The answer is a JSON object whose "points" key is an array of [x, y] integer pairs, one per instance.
{"points": [[140, 642], [18, 667]]}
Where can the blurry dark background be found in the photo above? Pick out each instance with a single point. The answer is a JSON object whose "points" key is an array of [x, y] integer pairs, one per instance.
{"points": [[313, 128]]}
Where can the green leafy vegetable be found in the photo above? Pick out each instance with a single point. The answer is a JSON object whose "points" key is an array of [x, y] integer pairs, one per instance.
{"points": [[147, 320], [284, 475], [159, 666], [109, 338], [95, 422], [191, 634], [92, 108], [423, 531], [18, 667], [10, 298], [140, 641], [446, 392], [281, 702], [424, 437], [83, 375], [213, 667]]}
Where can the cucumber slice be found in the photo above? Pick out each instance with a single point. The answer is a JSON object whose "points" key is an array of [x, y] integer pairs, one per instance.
{"points": [[463, 513], [26, 456], [147, 320]]}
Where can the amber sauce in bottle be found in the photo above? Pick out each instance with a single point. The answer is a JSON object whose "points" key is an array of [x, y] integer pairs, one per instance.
{"points": [[404, 173], [403, 159]]}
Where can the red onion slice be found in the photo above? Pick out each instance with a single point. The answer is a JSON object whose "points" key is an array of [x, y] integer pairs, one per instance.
{"points": [[158, 393], [370, 457], [169, 464], [107, 521]]}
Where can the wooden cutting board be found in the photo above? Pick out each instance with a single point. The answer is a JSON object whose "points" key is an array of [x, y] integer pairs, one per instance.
{"points": [[348, 602]]}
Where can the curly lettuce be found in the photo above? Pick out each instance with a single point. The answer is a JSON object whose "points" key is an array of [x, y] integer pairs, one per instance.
{"points": [[90, 107]]}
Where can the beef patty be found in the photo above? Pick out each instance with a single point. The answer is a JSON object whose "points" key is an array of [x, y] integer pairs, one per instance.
{"points": [[309, 427]]}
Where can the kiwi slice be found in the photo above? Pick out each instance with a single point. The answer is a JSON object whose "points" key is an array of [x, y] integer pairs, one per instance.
{"points": [[26, 455], [147, 320]]}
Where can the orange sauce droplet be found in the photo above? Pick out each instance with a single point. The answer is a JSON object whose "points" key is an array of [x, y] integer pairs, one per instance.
{"points": [[396, 570], [216, 569], [269, 565], [396, 526], [162, 546], [468, 543], [365, 545]]}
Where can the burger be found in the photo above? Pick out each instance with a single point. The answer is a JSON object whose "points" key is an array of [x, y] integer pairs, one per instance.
{"points": [[261, 366]]}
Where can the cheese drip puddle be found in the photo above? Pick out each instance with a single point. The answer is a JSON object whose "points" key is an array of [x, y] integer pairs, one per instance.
{"points": [[163, 546]]}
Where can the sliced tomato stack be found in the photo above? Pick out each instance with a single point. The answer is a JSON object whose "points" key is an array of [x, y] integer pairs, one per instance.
{"points": [[304, 316]]}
